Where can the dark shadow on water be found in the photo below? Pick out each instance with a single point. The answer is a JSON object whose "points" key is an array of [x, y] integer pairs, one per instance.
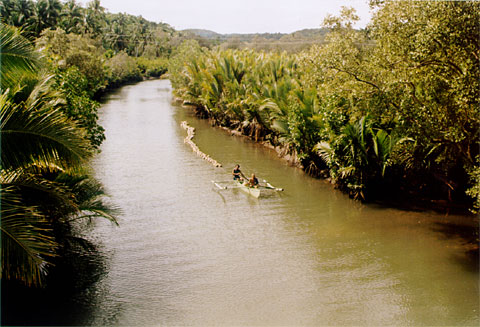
{"points": [[221, 195], [469, 236], [68, 299], [114, 90]]}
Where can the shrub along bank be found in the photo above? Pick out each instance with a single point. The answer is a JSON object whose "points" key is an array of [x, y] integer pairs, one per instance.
{"points": [[50, 79], [389, 112]]}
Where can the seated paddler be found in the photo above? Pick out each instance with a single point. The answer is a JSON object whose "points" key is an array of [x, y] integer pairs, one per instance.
{"points": [[237, 173], [253, 181]]}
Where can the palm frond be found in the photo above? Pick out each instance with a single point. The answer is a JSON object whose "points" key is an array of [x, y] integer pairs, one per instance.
{"points": [[280, 126], [42, 134], [346, 172], [17, 56], [90, 197], [41, 191], [325, 152], [27, 242], [98, 209]]}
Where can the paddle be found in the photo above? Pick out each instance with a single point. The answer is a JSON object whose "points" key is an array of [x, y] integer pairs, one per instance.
{"points": [[219, 186], [272, 187], [268, 186]]}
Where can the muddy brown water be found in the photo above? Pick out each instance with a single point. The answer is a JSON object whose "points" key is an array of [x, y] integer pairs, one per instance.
{"points": [[187, 253]]}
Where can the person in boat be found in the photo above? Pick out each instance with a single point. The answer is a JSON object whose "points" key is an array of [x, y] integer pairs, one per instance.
{"points": [[237, 174], [253, 181]]}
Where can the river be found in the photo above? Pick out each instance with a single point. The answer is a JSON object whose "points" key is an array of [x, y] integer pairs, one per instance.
{"points": [[187, 253]]}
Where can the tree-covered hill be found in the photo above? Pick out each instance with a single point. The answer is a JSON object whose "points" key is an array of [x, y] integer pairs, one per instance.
{"points": [[291, 42], [390, 112]]}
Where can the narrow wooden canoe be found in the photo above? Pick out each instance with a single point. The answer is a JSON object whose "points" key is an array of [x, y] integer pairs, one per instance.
{"points": [[255, 192]]}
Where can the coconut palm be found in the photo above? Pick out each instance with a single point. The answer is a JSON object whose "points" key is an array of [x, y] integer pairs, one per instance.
{"points": [[17, 12], [39, 145], [33, 137], [17, 56], [95, 18], [383, 146], [47, 14], [27, 241], [36, 131], [72, 18]]}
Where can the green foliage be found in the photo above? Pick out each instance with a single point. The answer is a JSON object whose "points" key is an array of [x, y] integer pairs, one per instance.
{"points": [[428, 56], [186, 52], [16, 55], [26, 135], [392, 106], [122, 68], [17, 13], [137, 36], [34, 134], [152, 67], [474, 190], [77, 62], [118, 32], [40, 146], [27, 239], [33, 16], [95, 18], [71, 50], [358, 155], [303, 124], [79, 104], [72, 18]]}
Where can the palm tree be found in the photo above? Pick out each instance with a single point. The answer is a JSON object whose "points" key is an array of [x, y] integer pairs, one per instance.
{"points": [[34, 139], [47, 13], [17, 55], [25, 10], [37, 131], [383, 146], [359, 155], [27, 241], [95, 18], [347, 156], [72, 18], [17, 12], [39, 145]]}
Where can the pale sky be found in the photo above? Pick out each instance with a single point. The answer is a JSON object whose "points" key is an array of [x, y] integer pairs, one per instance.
{"points": [[240, 16]]}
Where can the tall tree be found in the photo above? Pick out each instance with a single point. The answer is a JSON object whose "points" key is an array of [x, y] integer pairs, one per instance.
{"points": [[72, 18], [17, 56], [95, 18], [47, 14], [39, 145], [427, 54]]}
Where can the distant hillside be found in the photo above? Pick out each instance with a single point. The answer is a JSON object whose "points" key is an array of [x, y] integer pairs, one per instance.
{"points": [[207, 34], [291, 42], [310, 33], [303, 34]]}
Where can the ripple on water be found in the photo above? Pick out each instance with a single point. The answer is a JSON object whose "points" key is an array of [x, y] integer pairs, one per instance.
{"points": [[187, 253]]}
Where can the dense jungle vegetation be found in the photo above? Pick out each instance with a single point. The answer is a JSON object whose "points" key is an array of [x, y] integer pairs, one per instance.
{"points": [[291, 42], [387, 113], [56, 60]]}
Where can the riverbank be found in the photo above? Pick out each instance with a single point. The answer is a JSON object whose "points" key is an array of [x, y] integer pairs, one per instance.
{"points": [[401, 198], [466, 228], [129, 81], [188, 253], [377, 133], [216, 257]]}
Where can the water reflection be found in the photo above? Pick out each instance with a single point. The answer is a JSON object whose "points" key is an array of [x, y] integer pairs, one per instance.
{"points": [[187, 254], [70, 297]]}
